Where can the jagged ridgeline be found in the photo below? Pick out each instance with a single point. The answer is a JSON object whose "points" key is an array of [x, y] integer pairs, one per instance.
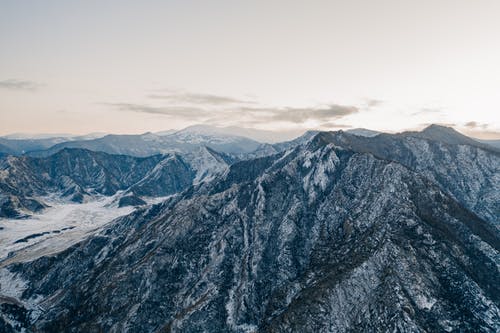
{"points": [[334, 233]]}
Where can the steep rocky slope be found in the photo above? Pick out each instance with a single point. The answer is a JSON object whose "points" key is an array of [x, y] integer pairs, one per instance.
{"points": [[469, 173], [76, 174], [320, 238]]}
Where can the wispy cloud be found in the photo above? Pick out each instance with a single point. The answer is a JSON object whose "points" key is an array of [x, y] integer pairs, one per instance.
{"points": [[427, 111], [14, 84], [475, 125], [331, 125], [372, 103], [177, 111], [424, 125], [203, 99], [255, 115], [300, 115], [481, 130], [223, 110]]}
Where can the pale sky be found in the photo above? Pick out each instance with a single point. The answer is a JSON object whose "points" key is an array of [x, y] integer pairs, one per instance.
{"points": [[137, 66]]}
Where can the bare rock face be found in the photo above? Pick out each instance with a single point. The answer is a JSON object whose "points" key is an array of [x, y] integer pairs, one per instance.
{"points": [[470, 173], [76, 174], [130, 200], [332, 236], [12, 206]]}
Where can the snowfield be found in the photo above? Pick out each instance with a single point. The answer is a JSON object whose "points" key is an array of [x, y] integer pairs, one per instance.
{"points": [[55, 229]]}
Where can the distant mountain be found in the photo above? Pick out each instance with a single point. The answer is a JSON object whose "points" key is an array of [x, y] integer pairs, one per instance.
{"points": [[133, 145], [363, 132], [150, 144], [262, 136], [27, 136], [342, 233], [241, 142], [66, 136], [234, 140], [494, 143], [213, 138], [22, 146], [446, 135], [18, 144]]}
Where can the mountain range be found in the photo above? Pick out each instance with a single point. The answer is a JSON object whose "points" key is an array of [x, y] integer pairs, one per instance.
{"points": [[140, 145], [331, 232], [77, 175], [233, 140]]}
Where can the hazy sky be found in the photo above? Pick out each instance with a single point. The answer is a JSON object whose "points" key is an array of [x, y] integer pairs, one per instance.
{"points": [[137, 66]]}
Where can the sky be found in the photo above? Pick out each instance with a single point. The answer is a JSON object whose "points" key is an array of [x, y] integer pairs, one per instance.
{"points": [[137, 66]]}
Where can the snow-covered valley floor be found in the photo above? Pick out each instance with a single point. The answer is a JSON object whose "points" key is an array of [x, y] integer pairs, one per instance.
{"points": [[55, 229]]}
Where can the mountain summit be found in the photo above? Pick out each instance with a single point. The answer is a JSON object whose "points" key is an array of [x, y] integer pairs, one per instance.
{"points": [[447, 135]]}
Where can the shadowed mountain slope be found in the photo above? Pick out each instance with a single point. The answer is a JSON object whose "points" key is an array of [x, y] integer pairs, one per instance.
{"points": [[320, 238]]}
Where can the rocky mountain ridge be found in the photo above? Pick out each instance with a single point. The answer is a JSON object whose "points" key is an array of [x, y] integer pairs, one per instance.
{"points": [[334, 235], [78, 174], [469, 173]]}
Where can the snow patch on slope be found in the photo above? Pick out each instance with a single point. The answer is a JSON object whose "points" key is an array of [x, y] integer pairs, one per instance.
{"points": [[321, 164], [55, 229], [206, 165], [11, 285]]}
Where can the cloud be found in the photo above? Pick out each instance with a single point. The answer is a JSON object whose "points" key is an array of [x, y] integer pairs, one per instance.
{"points": [[224, 111], [371, 103], [424, 125], [474, 124], [300, 115], [14, 84], [426, 111], [331, 124], [481, 130], [203, 99], [177, 111]]}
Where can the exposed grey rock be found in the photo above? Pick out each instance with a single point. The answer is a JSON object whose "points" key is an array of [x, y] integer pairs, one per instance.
{"points": [[76, 174], [131, 200], [469, 173], [12, 206], [330, 236]]}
